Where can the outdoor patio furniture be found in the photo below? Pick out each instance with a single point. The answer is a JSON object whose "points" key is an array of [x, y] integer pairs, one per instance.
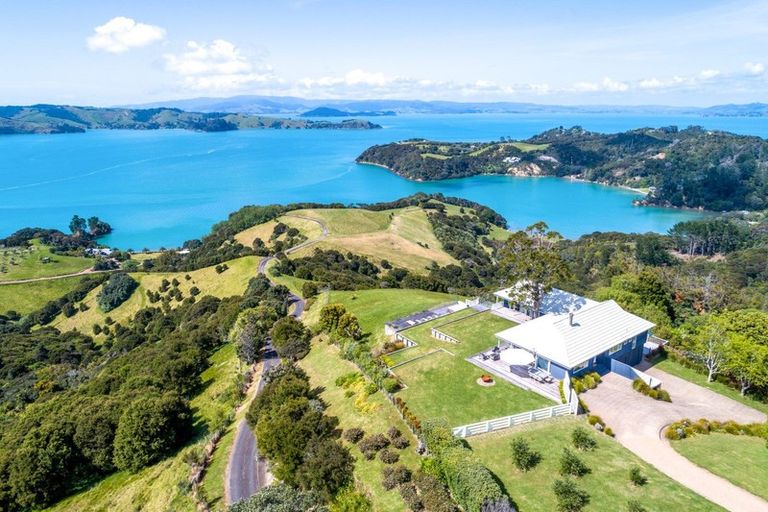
{"points": [[484, 356], [496, 356]]}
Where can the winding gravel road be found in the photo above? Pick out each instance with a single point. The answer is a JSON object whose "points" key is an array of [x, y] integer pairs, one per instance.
{"points": [[247, 471]]}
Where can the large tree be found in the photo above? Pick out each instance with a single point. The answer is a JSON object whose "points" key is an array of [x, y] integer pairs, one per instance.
{"points": [[290, 338], [747, 362], [531, 264], [250, 332]]}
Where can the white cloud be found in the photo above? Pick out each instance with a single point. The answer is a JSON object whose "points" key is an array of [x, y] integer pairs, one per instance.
{"points": [[606, 84], [755, 68], [708, 74], [120, 34], [218, 66]]}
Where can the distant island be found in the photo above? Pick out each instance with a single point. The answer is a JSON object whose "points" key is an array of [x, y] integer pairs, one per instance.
{"points": [[290, 106], [37, 119], [334, 112], [692, 168]]}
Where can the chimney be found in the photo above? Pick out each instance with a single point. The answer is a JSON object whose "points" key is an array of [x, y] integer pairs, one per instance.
{"points": [[570, 318]]}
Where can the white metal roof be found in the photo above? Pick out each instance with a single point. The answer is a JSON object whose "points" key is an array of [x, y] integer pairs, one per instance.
{"points": [[555, 301], [596, 328]]}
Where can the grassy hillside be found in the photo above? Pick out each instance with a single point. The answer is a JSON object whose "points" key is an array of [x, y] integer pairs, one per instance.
{"points": [[27, 297], [161, 487], [231, 282], [403, 236], [37, 260], [608, 483], [324, 365]]}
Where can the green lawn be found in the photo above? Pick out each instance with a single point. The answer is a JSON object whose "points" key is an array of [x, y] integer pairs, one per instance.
{"points": [[691, 375], [742, 460], [28, 297], [348, 221], [444, 385], [376, 307], [27, 263], [324, 365], [608, 484], [159, 488]]}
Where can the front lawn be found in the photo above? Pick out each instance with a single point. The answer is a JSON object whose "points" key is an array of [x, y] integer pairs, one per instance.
{"points": [[691, 375], [742, 460], [608, 484], [444, 384]]}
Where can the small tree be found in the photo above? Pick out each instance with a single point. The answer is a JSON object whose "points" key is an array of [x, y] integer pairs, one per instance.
{"points": [[570, 497], [280, 498], [747, 362], [327, 467], [523, 456], [330, 315], [583, 440], [709, 347], [637, 477], [572, 465]]}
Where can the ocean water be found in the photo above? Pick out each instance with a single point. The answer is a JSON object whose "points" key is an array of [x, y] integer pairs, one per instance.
{"points": [[160, 188]]}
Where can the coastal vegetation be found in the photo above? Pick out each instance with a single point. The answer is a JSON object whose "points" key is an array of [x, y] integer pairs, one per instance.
{"points": [[74, 119], [693, 167]]}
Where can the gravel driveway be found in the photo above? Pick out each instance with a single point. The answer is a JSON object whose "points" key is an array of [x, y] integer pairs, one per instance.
{"points": [[638, 421]]}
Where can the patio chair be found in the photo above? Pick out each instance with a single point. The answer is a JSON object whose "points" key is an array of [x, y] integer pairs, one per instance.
{"points": [[496, 356], [484, 356]]}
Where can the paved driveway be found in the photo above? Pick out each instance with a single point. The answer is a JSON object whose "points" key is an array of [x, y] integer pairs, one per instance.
{"points": [[638, 422]]}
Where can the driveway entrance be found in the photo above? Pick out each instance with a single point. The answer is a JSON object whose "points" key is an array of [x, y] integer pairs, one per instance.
{"points": [[638, 421]]}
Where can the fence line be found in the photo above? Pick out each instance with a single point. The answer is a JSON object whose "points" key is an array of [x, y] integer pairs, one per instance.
{"points": [[484, 427]]}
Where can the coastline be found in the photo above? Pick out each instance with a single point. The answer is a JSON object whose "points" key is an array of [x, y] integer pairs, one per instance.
{"points": [[635, 202]]}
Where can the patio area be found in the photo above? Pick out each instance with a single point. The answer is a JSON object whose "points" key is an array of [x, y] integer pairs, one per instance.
{"points": [[513, 365]]}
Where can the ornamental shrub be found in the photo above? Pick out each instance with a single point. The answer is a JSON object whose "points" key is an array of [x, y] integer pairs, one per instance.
{"points": [[392, 476], [354, 434], [523, 456], [373, 443], [434, 495], [401, 442], [393, 432], [411, 497], [388, 456], [572, 465], [635, 506]]}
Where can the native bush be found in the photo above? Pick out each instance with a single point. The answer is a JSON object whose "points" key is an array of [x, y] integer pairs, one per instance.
{"points": [[115, 291], [388, 456]]}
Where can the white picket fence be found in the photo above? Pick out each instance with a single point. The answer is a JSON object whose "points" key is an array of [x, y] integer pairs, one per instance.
{"points": [[484, 427]]}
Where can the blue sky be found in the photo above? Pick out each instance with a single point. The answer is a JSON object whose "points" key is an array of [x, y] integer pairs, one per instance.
{"points": [[676, 52]]}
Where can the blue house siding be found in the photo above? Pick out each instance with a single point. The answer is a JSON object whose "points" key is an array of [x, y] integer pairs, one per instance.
{"points": [[631, 353]]}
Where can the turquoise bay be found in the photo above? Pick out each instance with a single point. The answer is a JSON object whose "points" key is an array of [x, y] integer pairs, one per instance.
{"points": [[159, 188]]}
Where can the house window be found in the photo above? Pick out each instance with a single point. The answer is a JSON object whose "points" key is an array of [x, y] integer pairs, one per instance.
{"points": [[634, 343], [581, 366], [615, 348]]}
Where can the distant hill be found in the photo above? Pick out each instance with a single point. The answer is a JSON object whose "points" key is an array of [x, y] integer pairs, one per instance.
{"points": [[73, 119], [334, 112], [693, 168], [291, 105]]}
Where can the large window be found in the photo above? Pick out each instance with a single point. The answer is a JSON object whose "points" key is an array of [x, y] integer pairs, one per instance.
{"points": [[615, 348]]}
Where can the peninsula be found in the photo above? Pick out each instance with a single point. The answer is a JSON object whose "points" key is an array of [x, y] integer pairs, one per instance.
{"points": [[37, 119], [692, 168]]}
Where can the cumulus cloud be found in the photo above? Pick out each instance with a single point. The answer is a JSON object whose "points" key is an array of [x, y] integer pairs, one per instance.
{"points": [[217, 66], [755, 68], [120, 34], [606, 85]]}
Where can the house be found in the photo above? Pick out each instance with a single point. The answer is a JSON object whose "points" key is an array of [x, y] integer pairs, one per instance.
{"points": [[581, 340], [555, 301]]}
